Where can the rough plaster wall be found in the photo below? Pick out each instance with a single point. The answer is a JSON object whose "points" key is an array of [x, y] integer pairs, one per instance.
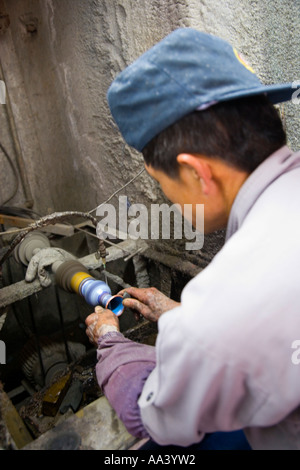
{"points": [[59, 75], [267, 34], [66, 68]]}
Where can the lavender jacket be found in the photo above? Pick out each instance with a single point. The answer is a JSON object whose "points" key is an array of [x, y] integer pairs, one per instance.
{"points": [[223, 359]]}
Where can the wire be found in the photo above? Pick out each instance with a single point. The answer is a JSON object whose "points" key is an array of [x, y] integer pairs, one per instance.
{"points": [[42, 222], [14, 172], [57, 216], [118, 190]]}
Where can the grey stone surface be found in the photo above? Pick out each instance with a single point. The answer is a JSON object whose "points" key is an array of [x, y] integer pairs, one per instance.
{"points": [[95, 427]]}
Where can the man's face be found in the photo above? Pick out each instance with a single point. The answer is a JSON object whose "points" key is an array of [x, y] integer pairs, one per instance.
{"points": [[187, 189]]}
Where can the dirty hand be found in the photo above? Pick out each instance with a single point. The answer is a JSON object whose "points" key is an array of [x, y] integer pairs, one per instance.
{"points": [[99, 323], [148, 302], [43, 258]]}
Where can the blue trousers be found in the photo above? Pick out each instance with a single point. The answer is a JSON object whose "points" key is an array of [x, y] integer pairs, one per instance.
{"points": [[234, 440]]}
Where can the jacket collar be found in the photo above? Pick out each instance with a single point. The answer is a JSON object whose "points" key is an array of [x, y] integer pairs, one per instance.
{"points": [[280, 162]]}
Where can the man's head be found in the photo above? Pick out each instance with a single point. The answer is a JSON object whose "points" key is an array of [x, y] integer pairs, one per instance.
{"points": [[206, 156], [196, 110]]}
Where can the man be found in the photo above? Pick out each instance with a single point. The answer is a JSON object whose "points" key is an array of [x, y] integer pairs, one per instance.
{"points": [[210, 135]]}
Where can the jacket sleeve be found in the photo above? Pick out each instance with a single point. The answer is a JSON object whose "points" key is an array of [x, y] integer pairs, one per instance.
{"points": [[223, 357], [195, 386], [122, 369]]}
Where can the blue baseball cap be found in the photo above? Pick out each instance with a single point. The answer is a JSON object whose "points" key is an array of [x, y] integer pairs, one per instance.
{"points": [[188, 70]]}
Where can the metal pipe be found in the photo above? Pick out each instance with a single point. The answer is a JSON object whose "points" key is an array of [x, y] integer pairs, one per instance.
{"points": [[22, 289], [50, 220], [173, 262]]}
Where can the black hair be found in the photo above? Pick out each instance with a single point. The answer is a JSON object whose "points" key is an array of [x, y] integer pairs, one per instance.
{"points": [[242, 132]]}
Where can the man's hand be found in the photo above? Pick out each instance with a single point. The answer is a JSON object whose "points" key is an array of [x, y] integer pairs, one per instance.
{"points": [[148, 302], [99, 323]]}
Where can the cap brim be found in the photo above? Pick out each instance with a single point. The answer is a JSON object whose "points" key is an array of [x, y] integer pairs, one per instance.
{"points": [[276, 93]]}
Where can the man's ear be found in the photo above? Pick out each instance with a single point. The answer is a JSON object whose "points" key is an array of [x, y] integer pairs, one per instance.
{"points": [[200, 168]]}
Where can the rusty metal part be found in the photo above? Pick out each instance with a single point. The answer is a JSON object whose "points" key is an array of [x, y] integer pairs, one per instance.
{"points": [[22, 223], [55, 394], [43, 221], [173, 262], [22, 289], [42, 366], [101, 253]]}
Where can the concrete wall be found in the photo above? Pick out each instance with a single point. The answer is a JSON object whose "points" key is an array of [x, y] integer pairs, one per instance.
{"points": [[60, 56]]}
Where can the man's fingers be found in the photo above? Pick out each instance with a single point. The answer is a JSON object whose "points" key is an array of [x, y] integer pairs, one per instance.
{"points": [[131, 303], [133, 291], [90, 335], [90, 319], [141, 294], [136, 305], [121, 292], [93, 317], [99, 309]]}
